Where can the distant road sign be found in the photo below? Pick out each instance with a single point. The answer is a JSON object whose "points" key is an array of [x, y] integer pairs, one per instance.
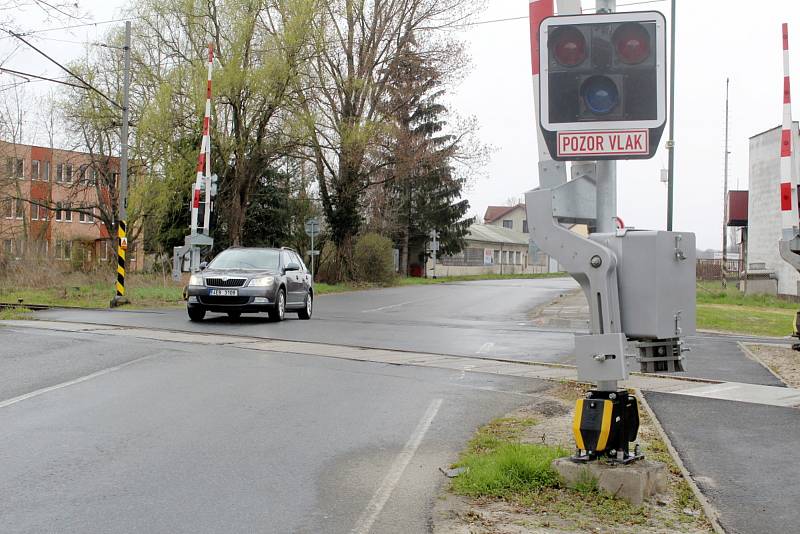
{"points": [[604, 143], [312, 227], [312, 252]]}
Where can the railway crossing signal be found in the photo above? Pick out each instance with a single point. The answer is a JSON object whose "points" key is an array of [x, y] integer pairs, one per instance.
{"points": [[603, 85]]}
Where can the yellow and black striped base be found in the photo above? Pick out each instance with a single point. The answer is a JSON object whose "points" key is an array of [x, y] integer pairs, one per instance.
{"points": [[122, 236]]}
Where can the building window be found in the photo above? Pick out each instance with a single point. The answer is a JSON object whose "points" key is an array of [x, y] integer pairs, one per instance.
{"points": [[59, 213], [68, 173], [10, 167], [8, 247], [46, 175], [525, 226], [508, 223], [496, 257], [20, 168], [67, 215], [8, 211], [34, 212], [86, 216], [20, 211], [104, 246], [63, 250], [518, 258], [60, 172], [35, 168], [83, 175]]}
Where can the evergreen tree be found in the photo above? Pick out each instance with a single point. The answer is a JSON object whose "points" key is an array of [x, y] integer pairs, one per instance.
{"points": [[421, 191]]}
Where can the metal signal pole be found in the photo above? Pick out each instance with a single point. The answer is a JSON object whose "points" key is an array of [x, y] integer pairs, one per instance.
{"points": [[671, 140], [122, 229]]}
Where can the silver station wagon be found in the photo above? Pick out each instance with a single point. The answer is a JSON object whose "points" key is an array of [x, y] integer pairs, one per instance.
{"points": [[252, 280]]}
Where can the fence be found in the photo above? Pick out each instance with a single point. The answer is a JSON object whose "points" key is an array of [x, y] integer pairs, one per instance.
{"points": [[712, 269]]}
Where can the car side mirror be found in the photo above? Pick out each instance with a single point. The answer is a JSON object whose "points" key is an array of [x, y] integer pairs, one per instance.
{"points": [[203, 265], [292, 267]]}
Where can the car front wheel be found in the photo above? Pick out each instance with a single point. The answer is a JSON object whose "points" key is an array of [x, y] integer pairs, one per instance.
{"points": [[196, 313], [305, 313], [277, 313]]}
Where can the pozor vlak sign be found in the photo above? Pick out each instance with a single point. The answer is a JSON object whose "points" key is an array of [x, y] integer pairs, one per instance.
{"points": [[603, 85]]}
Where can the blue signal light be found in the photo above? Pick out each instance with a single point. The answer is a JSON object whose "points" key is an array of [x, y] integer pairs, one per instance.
{"points": [[600, 94]]}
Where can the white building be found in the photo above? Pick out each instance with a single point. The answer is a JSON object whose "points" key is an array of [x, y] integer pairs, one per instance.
{"points": [[764, 213]]}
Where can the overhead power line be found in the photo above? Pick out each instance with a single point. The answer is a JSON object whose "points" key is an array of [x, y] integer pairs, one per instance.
{"points": [[87, 85], [28, 75]]}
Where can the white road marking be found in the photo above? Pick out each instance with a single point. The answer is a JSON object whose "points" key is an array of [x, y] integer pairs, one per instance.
{"points": [[485, 348], [380, 497], [48, 389], [388, 307]]}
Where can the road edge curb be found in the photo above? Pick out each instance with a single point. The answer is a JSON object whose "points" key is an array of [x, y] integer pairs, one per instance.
{"points": [[708, 509], [752, 355]]}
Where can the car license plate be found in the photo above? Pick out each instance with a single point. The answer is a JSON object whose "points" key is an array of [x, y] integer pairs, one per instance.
{"points": [[223, 292]]}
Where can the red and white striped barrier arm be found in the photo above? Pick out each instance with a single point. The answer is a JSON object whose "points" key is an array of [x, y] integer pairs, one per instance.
{"points": [[207, 142], [538, 10], [788, 188], [204, 158]]}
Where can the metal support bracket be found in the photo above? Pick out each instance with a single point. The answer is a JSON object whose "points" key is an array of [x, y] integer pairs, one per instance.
{"points": [[592, 265]]}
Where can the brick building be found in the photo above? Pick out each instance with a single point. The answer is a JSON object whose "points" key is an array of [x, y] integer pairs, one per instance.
{"points": [[49, 202]]}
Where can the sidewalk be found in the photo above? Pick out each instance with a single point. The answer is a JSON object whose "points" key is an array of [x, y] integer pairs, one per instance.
{"points": [[570, 310]]}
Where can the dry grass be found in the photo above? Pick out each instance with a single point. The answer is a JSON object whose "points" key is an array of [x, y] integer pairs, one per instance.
{"points": [[35, 283]]}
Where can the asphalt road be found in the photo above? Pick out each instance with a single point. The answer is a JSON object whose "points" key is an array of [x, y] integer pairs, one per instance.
{"points": [[487, 318], [197, 438], [168, 437]]}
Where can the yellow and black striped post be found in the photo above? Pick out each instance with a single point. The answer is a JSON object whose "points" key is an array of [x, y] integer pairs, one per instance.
{"points": [[122, 246]]}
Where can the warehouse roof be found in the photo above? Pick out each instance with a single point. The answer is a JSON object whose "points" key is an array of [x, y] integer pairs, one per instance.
{"points": [[486, 233]]}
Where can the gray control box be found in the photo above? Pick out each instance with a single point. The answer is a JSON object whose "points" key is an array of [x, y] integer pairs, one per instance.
{"points": [[656, 279]]}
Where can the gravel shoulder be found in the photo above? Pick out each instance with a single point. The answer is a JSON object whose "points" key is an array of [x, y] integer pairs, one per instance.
{"points": [[780, 359]]}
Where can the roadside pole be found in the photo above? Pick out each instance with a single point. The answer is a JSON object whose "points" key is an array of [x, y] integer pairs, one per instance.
{"points": [[312, 229], [606, 196], [122, 245]]}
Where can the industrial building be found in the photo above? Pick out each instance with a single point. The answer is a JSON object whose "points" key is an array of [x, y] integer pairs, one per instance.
{"points": [[757, 212]]}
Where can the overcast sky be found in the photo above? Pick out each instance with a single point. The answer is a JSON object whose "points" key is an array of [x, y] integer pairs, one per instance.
{"points": [[715, 39]]}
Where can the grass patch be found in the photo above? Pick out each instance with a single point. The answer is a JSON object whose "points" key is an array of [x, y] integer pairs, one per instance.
{"points": [[14, 313], [745, 319], [498, 465], [730, 310], [510, 469], [713, 293]]}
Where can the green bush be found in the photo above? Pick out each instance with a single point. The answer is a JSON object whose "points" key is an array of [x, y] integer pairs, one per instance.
{"points": [[373, 259]]}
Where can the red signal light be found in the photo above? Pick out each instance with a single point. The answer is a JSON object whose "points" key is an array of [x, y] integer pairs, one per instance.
{"points": [[569, 46], [632, 43]]}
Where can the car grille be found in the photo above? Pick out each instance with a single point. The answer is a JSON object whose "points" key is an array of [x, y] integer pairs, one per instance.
{"points": [[230, 282], [211, 301]]}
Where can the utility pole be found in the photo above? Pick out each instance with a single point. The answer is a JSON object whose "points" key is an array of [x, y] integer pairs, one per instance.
{"points": [[671, 140], [725, 197], [122, 246]]}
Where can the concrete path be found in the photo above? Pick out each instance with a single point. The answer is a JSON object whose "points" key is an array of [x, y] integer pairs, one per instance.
{"points": [[742, 455], [759, 394]]}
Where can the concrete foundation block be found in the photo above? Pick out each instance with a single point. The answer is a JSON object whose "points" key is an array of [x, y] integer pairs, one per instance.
{"points": [[633, 482]]}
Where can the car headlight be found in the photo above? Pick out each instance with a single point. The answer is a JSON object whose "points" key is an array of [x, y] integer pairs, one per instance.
{"points": [[195, 280], [262, 282]]}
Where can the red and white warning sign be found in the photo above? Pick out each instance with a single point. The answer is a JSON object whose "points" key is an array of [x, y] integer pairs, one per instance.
{"points": [[604, 143]]}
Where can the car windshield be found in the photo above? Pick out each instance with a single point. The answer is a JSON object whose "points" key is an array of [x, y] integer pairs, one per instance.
{"points": [[243, 258]]}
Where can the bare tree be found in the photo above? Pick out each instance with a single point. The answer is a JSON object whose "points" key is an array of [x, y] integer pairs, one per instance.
{"points": [[344, 116]]}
